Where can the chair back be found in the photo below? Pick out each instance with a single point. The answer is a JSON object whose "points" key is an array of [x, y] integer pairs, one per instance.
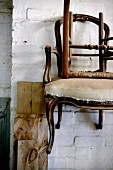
{"points": [[65, 54]]}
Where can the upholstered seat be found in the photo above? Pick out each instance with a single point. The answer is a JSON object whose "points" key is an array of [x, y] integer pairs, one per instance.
{"points": [[81, 89]]}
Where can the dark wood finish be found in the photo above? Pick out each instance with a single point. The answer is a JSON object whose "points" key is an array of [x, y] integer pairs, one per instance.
{"points": [[101, 52], [52, 101], [46, 77]]}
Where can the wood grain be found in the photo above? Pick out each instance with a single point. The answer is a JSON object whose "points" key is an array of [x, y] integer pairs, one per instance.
{"points": [[38, 104], [30, 98], [30, 128], [24, 94], [32, 137], [30, 157]]}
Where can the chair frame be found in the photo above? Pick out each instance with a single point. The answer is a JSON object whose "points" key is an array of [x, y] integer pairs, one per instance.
{"points": [[63, 62]]}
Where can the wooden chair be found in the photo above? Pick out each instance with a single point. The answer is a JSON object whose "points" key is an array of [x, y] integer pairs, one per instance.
{"points": [[85, 89]]}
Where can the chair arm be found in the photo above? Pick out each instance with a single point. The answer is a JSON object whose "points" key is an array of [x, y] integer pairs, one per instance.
{"points": [[46, 77]]}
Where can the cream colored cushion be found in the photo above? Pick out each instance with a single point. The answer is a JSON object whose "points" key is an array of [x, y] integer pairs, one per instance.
{"points": [[82, 89]]}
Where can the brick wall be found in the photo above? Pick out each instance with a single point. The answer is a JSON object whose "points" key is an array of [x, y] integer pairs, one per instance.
{"points": [[78, 145]]}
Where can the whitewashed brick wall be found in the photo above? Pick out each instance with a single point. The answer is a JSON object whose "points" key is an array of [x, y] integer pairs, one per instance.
{"points": [[78, 145]]}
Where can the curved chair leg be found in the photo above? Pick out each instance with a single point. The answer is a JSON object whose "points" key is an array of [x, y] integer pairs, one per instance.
{"points": [[59, 116], [50, 105]]}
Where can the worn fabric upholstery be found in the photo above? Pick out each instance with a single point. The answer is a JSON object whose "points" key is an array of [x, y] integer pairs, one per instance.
{"points": [[82, 89]]}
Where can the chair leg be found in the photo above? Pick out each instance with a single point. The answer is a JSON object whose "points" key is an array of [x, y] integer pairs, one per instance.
{"points": [[59, 116], [50, 105], [100, 119], [100, 124]]}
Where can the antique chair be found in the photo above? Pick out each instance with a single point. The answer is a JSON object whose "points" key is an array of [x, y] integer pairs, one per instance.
{"points": [[86, 89]]}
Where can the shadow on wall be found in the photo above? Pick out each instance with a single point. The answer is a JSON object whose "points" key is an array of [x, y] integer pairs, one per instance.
{"points": [[91, 116]]}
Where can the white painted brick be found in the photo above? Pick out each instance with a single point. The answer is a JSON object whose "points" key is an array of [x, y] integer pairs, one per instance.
{"points": [[82, 154], [82, 116], [29, 53], [58, 169], [108, 130], [63, 152], [64, 136], [42, 14], [22, 34], [108, 118], [70, 163], [98, 6], [56, 163], [100, 153], [110, 65], [67, 117], [82, 164], [85, 115], [27, 73], [89, 141], [84, 129], [94, 164], [109, 141]]}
